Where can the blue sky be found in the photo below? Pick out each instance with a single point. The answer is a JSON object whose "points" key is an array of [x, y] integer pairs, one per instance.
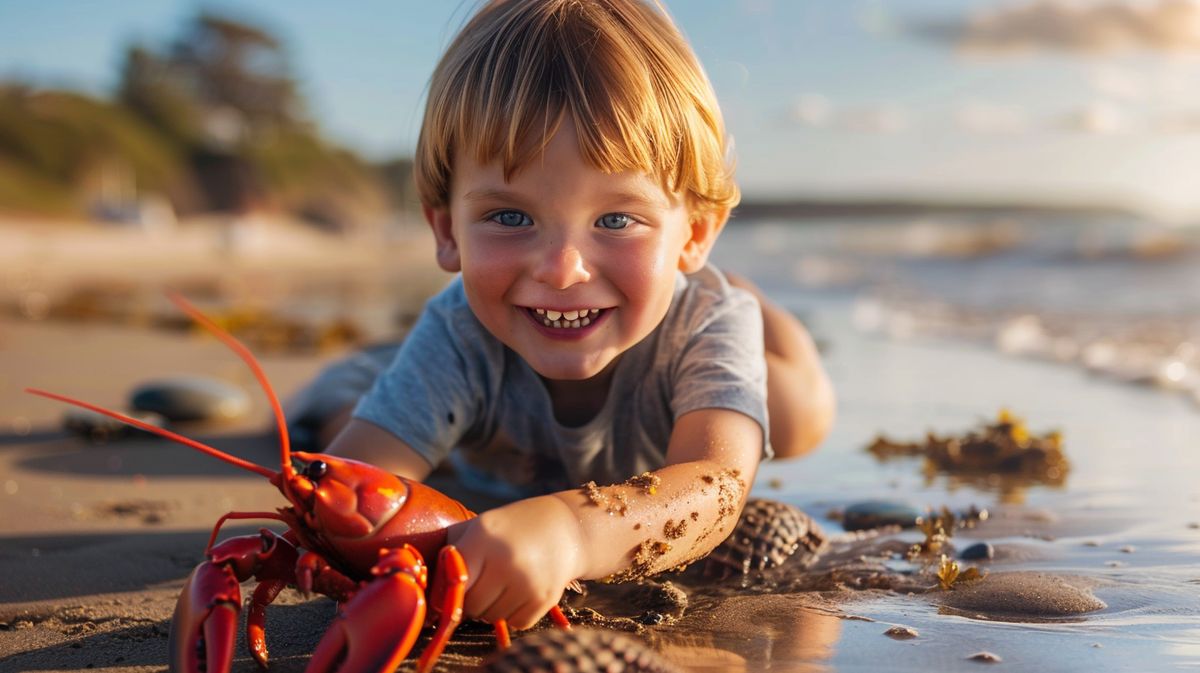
{"points": [[844, 97]]}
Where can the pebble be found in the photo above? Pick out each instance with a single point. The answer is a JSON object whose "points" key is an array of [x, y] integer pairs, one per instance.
{"points": [[986, 657], [880, 513], [96, 427], [901, 633], [1128, 549], [978, 552], [1024, 594], [191, 398]]}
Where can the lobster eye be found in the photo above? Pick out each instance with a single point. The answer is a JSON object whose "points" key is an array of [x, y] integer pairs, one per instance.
{"points": [[316, 469]]}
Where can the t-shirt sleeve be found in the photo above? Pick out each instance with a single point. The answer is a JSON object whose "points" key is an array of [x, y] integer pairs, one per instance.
{"points": [[723, 366], [431, 394]]}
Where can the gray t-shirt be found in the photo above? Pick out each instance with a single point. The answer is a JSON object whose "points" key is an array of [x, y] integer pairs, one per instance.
{"points": [[454, 392]]}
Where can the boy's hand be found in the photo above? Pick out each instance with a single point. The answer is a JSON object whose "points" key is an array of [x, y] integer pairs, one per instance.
{"points": [[519, 558]]}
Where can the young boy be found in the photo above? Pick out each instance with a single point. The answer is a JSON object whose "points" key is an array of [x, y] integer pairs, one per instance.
{"points": [[572, 166]]}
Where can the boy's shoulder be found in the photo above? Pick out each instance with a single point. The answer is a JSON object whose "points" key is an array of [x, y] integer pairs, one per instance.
{"points": [[448, 325], [706, 296]]}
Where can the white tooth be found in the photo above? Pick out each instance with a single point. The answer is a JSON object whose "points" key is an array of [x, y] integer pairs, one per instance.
{"points": [[585, 322], [575, 323], [558, 323], [552, 315], [571, 315], [595, 311], [541, 311]]}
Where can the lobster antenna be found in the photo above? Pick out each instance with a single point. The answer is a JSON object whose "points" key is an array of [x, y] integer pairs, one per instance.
{"points": [[285, 445], [204, 448]]}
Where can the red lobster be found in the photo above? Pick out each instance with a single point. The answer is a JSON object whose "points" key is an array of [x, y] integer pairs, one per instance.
{"points": [[365, 535]]}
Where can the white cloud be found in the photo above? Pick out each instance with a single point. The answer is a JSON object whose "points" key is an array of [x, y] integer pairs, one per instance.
{"points": [[1102, 26], [817, 111], [812, 110], [884, 118]]}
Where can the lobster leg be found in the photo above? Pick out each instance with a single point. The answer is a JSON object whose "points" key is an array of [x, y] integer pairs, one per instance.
{"points": [[205, 621], [376, 629], [446, 595]]}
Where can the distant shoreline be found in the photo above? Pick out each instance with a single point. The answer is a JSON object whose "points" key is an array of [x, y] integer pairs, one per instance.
{"points": [[802, 208]]}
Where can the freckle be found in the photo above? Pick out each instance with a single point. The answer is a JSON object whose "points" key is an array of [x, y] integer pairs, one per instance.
{"points": [[637, 526]]}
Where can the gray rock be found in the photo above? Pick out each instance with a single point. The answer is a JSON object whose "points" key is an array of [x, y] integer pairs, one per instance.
{"points": [[99, 428], [901, 633], [980, 551], [191, 398], [880, 513]]}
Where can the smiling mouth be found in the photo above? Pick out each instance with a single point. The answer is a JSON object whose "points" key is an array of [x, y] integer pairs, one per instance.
{"points": [[575, 319]]}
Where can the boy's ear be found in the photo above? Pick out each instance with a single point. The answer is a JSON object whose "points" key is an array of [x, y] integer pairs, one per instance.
{"points": [[447, 248], [705, 225]]}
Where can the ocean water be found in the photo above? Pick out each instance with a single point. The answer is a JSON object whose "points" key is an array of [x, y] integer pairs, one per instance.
{"points": [[913, 318]]}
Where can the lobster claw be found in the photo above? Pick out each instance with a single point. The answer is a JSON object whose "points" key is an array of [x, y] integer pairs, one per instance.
{"points": [[204, 627], [376, 629]]}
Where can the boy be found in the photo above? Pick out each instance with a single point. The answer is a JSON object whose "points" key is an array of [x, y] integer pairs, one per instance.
{"points": [[572, 168]]}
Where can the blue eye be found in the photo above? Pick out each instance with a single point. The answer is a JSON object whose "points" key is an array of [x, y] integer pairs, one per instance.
{"points": [[511, 218], [615, 221]]}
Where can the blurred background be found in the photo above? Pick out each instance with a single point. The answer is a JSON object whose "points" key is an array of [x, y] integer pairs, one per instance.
{"points": [[1022, 172], [974, 205], [312, 110]]}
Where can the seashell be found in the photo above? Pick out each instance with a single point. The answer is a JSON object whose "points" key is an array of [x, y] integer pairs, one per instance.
{"points": [[767, 534], [576, 651]]}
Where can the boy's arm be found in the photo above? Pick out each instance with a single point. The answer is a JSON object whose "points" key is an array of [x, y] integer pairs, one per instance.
{"points": [[365, 441], [522, 555]]}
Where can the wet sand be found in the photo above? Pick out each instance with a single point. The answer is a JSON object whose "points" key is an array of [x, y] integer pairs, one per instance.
{"points": [[96, 540]]}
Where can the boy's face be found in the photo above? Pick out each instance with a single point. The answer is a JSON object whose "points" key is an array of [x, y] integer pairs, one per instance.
{"points": [[565, 243]]}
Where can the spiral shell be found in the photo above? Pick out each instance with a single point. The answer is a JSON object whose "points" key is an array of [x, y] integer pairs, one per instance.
{"points": [[767, 534], [578, 650]]}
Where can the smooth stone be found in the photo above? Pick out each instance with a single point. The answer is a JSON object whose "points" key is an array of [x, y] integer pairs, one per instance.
{"points": [[97, 427], [880, 513], [902, 633], [191, 398], [1024, 595], [978, 552]]}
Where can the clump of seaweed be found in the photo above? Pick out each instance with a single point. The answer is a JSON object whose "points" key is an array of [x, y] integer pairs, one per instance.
{"points": [[948, 572], [1003, 448], [939, 527]]}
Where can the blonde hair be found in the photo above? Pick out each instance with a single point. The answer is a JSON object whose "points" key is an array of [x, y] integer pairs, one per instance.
{"points": [[636, 92]]}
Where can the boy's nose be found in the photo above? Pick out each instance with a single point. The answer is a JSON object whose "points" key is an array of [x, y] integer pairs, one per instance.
{"points": [[561, 267]]}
